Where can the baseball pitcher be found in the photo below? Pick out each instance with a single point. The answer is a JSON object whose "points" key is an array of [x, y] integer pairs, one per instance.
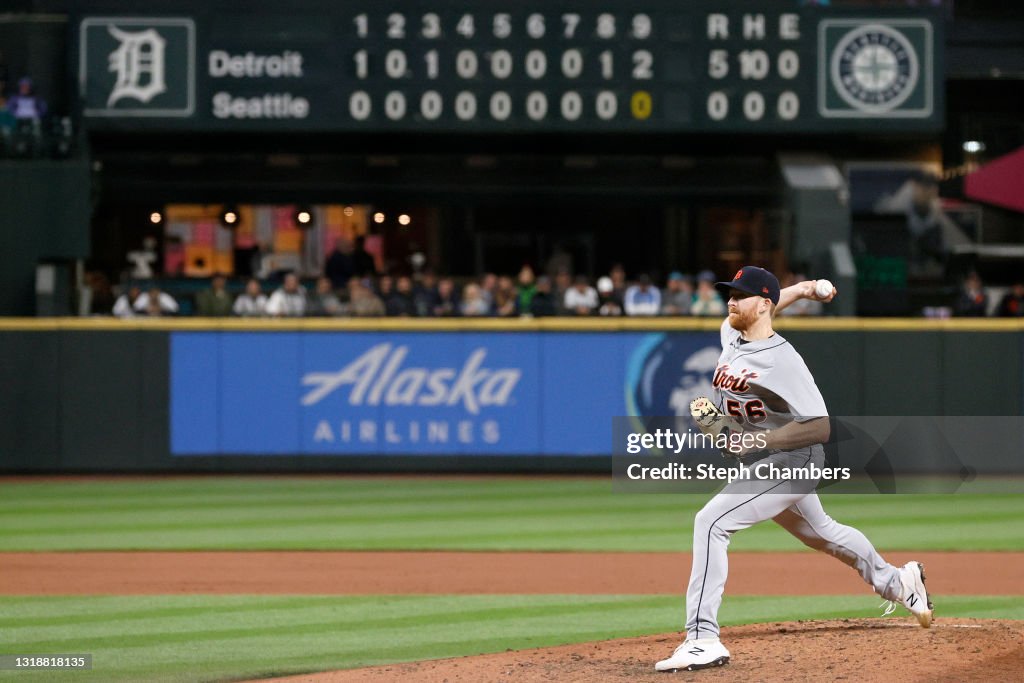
{"points": [[763, 383]]}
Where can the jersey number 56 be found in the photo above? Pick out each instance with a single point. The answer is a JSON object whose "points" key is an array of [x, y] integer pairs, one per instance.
{"points": [[752, 411]]}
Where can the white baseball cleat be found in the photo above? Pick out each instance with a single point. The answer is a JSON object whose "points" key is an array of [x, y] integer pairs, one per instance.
{"points": [[915, 596], [695, 654]]}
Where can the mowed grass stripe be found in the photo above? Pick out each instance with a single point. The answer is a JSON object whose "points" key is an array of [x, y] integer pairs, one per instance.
{"points": [[26, 522], [98, 617], [561, 518], [346, 492], [199, 490], [249, 516], [466, 531], [595, 533], [115, 503], [308, 622], [240, 644], [449, 514]]}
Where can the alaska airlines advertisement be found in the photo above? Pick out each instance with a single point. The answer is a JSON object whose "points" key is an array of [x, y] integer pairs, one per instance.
{"points": [[355, 393]]}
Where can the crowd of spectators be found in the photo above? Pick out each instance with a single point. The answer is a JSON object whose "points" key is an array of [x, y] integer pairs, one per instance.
{"points": [[974, 300], [347, 291], [427, 295]]}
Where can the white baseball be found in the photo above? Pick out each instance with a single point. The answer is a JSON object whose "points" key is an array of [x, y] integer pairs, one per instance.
{"points": [[823, 288]]}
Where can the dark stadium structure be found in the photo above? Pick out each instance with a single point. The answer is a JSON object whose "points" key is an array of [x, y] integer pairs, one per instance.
{"points": [[660, 136]]}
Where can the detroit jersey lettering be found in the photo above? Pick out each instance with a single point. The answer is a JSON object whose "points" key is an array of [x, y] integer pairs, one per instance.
{"points": [[765, 383]]}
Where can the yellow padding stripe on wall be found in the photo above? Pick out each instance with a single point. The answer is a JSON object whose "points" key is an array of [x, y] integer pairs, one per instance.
{"points": [[504, 324]]}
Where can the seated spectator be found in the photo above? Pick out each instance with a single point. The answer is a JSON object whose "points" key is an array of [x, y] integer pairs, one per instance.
{"points": [[252, 302], [800, 307], [607, 304], [563, 283], [424, 294], [488, 288], [447, 302], [26, 105], [124, 307], [642, 298], [542, 303], [155, 303], [7, 120], [506, 298], [527, 285], [401, 303], [101, 298], [323, 302], [1012, 305], [706, 301], [678, 295], [581, 298], [618, 278], [289, 300], [972, 301], [338, 265], [363, 303], [473, 302], [363, 264], [385, 287], [214, 302]]}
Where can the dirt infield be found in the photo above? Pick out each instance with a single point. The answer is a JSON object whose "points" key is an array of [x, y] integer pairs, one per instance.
{"points": [[363, 573], [853, 650]]}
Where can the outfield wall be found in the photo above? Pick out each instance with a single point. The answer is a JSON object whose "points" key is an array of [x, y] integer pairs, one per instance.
{"points": [[487, 395]]}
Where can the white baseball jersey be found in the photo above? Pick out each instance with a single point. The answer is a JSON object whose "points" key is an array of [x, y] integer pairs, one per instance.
{"points": [[765, 382]]}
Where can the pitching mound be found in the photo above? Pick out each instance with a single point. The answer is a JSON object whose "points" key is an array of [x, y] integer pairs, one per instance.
{"points": [[851, 649]]}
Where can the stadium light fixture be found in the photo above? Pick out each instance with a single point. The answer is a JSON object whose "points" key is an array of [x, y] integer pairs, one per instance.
{"points": [[230, 217], [378, 217], [304, 217], [156, 217], [974, 146], [404, 219]]}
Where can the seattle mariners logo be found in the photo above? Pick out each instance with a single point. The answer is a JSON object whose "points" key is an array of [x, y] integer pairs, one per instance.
{"points": [[874, 68], [877, 68]]}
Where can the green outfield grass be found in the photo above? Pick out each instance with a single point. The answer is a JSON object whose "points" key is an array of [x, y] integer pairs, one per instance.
{"points": [[448, 513], [190, 638]]}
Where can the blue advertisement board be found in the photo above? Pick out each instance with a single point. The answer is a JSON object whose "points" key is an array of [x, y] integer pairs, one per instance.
{"points": [[425, 393]]}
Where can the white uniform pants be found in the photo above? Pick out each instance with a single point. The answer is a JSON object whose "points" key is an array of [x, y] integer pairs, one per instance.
{"points": [[795, 509]]}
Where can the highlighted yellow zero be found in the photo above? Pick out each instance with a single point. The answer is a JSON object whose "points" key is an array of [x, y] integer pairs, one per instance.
{"points": [[640, 104]]}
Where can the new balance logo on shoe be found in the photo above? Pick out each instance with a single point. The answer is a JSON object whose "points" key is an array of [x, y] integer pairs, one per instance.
{"points": [[697, 651], [912, 600]]}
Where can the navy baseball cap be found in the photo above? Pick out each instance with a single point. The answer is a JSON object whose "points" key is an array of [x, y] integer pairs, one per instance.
{"points": [[752, 280]]}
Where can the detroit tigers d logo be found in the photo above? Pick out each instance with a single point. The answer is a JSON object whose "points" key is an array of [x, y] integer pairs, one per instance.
{"points": [[139, 64]]}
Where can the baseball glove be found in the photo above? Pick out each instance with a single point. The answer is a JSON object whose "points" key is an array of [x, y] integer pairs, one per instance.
{"points": [[713, 422]]}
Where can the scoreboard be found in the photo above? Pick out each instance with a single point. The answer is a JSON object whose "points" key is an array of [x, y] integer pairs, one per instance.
{"points": [[536, 66]]}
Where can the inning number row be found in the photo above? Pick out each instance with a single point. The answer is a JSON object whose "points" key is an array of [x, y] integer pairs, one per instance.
{"points": [[569, 25]]}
